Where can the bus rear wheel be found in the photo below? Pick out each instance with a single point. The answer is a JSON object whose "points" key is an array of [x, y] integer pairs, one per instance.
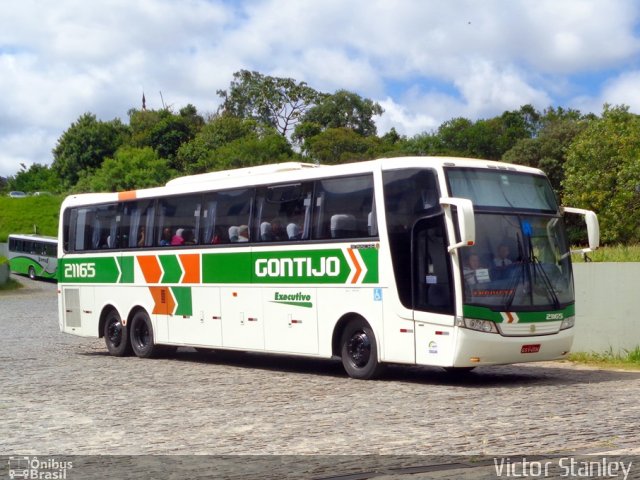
{"points": [[142, 336], [116, 335], [359, 351], [32, 273]]}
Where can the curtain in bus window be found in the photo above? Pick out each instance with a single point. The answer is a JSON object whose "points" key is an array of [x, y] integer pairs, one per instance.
{"points": [[210, 223], [134, 233]]}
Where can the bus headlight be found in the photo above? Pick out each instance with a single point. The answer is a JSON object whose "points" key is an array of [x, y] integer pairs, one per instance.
{"points": [[568, 322], [480, 325]]}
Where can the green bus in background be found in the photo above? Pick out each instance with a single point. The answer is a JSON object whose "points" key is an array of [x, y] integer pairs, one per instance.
{"points": [[33, 255]]}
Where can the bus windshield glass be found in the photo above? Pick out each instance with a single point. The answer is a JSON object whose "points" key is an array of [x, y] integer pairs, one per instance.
{"points": [[518, 262], [497, 189]]}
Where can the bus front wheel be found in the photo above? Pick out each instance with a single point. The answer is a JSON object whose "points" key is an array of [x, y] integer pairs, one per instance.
{"points": [[359, 351], [32, 273], [142, 336], [116, 335]]}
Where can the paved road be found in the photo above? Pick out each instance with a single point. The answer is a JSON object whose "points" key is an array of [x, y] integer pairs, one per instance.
{"points": [[62, 394]]}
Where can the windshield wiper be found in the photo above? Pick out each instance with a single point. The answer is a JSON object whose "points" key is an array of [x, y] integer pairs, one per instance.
{"points": [[537, 267]]}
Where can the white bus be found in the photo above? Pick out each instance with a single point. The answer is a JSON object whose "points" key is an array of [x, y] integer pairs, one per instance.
{"points": [[33, 255], [447, 262]]}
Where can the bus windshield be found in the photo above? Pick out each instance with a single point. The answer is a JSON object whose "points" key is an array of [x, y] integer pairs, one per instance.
{"points": [[499, 189], [518, 262]]}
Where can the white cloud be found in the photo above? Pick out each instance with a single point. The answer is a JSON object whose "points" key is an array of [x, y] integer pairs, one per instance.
{"points": [[464, 58]]}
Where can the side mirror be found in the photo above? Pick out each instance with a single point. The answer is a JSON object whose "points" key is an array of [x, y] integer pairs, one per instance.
{"points": [[593, 228], [466, 220]]}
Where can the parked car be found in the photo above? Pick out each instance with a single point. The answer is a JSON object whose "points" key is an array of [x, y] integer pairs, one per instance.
{"points": [[17, 194]]}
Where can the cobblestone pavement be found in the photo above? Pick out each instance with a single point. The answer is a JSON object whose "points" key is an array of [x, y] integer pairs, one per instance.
{"points": [[62, 394]]}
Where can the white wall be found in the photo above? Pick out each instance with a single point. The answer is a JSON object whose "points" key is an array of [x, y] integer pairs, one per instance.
{"points": [[607, 307]]}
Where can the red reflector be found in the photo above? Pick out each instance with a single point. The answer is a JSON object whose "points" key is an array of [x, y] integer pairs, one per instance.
{"points": [[530, 348], [406, 330], [438, 332]]}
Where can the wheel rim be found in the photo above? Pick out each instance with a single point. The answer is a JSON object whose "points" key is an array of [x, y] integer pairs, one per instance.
{"points": [[32, 273], [114, 332], [141, 334], [359, 349]]}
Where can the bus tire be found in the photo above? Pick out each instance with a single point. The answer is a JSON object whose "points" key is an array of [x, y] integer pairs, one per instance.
{"points": [[116, 335], [359, 351], [141, 333], [32, 273]]}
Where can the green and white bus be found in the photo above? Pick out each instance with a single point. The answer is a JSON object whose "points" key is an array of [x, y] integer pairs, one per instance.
{"points": [[447, 262], [33, 255]]}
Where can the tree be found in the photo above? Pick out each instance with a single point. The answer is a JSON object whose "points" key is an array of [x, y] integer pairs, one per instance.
{"points": [[345, 109], [338, 145], [36, 178], [603, 173], [228, 142], [548, 149], [84, 145], [131, 168], [163, 130], [276, 101]]}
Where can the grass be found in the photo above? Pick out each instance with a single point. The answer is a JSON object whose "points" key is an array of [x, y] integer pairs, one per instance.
{"points": [[629, 360], [613, 253], [19, 215]]}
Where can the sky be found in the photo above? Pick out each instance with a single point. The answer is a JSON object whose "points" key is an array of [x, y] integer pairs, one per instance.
{"points": [[424, 61]]}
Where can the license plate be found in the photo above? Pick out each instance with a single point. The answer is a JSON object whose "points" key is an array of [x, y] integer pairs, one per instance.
{"points": [[530, 348]]}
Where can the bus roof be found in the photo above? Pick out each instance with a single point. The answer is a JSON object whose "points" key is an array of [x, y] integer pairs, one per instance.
{"points": [[33, 236], [289, 171]]}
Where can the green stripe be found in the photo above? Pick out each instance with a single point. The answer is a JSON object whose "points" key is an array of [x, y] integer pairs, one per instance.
{"points": [[183, 299], [226, 268], [326, 266], [483, 313], [171, 267], [295, 304], [126, 266]]}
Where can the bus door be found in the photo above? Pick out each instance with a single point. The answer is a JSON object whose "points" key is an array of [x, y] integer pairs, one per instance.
{"points": [[432, 291]]}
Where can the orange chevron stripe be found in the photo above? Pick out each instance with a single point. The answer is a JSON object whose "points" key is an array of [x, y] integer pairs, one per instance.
{"points": [[510, 317], [354, 259], [191, 266], [163, 301], [150, 268]]}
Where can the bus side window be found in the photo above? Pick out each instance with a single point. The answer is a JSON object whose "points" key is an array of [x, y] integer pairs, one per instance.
{"points": [[232, 216], [282, 213], [344, 208], [179, 214]]}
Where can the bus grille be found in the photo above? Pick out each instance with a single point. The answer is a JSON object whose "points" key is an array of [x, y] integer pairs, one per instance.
{"points": [[528, 329]]}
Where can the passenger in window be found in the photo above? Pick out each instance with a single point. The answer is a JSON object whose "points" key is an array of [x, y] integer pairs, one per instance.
{"points": [[217, 237], [502, 257], [474, 272], [141, 237], [233, 234], [277, 230], [187, 236], [165, 240], [243, 233], [177, 239]]}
